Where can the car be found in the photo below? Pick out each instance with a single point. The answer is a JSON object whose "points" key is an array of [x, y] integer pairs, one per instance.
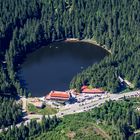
{"points": [[32, 113], [25, 119]]}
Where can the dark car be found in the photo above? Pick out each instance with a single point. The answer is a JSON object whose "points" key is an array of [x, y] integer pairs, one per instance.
{"points": [[32, 113]]}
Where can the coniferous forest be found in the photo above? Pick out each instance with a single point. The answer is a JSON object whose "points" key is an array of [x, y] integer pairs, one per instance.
{"points": [[120, 120], [26, 25], [10, 112], [31, 130]]}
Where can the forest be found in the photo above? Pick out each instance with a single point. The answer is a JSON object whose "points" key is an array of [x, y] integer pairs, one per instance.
{"points": [[31, 130], [118, 120], [27, 25], [10, 112]]}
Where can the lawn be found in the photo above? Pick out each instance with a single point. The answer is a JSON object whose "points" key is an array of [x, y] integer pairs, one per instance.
{"points": [[75, 127], [48, 110], [72, 130]]}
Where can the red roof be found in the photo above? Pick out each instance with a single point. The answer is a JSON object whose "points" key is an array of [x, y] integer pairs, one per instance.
{"points": [[84, 87], [93, 91], [59, 95]]}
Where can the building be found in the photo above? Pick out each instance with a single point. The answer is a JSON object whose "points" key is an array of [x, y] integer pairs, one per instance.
{"points": [[126, 82], [58, 95], [86, 90], [38, 104], [84, 87], [121, 80]]}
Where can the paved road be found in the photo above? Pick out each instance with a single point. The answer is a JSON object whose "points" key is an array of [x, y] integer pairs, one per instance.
{"points": [[87, 105], [75, 108], [24, 103], [82, 107]]}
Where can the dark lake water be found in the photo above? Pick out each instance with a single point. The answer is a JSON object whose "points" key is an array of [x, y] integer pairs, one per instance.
{"points": [[52, 67]]}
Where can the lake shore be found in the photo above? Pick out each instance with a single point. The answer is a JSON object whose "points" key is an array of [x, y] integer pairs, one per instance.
{"points": [[71, 40], [95, 43], [88, 41], [69, 63]]}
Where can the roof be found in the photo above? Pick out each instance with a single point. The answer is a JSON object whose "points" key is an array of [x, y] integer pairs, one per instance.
{"points": [[59, 95], [84, 87], [121, 79], [38, 104], [94, 90]]}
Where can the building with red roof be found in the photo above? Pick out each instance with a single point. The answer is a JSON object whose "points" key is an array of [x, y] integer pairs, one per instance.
{"points": [[86, 90], [84, 87], [58, 95]]}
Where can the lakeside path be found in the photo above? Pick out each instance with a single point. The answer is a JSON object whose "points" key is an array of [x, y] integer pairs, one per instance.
{"points": [[95, 43], [91, 41], [77, 108]]}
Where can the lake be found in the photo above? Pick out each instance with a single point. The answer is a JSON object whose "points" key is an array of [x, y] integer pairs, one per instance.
{"points": [[52, 67]]}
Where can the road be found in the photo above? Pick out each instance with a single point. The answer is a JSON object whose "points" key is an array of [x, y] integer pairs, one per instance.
{"points": [[76, 108], [80, 107], [24, 104]]}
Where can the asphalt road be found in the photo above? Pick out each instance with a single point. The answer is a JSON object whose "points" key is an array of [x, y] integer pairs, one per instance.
{"points": [[81, 107]]}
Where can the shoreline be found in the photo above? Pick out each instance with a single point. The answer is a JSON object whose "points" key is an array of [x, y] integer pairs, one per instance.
{"points": [[88, 41], [71, 40], [95, 43]]}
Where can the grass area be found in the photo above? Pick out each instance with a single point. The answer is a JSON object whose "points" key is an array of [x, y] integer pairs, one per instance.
{"points": [[126, 90], [97, 124], [76, 127], [69, 131], [48, 110], [93, 125], [110, 129]]}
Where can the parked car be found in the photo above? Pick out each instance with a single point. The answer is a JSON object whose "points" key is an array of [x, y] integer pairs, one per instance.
{"points": [[25, 119], [32, 113], [62, 113]]}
